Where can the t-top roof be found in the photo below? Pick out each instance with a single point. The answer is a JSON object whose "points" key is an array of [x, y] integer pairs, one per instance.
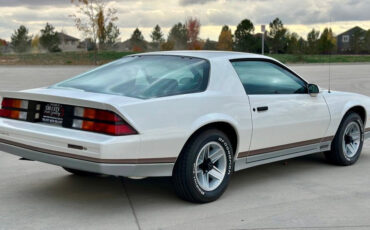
{"points": [[207, 54]]}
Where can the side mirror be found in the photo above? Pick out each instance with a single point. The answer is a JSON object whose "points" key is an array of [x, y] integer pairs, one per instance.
{"points": [[313, 90]]}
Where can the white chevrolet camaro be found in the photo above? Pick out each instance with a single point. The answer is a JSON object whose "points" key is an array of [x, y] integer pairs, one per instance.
{"points": [[195, 116]]}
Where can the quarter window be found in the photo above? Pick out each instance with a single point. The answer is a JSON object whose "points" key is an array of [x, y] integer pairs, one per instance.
{"points": [[260, 77]]}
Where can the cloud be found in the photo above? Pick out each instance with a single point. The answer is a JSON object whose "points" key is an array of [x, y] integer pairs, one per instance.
{"points": [[145, 14], [192, 2], [34, 3]]}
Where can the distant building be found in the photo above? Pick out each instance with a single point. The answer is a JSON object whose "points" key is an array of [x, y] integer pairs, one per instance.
{"points": [[67, 42], [124, 46], [86, 44], [349, 41], [128, 46], [4, 47]]}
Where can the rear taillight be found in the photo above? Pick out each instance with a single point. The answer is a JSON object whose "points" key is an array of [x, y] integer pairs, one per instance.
{"points": [[101, 121], [68, 116], [14, 108]]}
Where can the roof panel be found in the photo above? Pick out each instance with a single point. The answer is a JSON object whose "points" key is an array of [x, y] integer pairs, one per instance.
{"points": [[207, 54]]}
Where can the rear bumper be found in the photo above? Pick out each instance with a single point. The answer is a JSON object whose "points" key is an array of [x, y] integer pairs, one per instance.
{"points": [[116, 169]]}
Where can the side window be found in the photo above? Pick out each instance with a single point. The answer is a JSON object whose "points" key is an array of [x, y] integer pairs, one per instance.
{"points": [[259, 77]]}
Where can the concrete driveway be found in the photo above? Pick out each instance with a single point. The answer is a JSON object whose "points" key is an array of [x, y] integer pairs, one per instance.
{"points": [[303, 193]]}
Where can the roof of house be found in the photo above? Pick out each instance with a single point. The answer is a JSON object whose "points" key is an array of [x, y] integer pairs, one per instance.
{"points": [[351, 30], [65, 37]]}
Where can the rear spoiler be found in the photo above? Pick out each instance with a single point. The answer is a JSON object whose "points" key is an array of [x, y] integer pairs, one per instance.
{"points": [[60, 99]]}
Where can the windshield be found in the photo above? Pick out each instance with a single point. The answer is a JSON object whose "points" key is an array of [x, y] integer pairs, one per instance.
{"points": [[144, 77]]}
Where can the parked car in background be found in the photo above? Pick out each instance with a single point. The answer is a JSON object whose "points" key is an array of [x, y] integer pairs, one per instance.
{"points": [[197, 116]]}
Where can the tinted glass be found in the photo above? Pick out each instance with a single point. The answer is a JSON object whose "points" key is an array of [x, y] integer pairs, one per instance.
{"points": [[260, 77], [145, 77]]}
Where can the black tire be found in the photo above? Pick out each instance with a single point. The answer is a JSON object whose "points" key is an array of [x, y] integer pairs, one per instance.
{"points": [[337, 153], [80, 172], [184, 174]]}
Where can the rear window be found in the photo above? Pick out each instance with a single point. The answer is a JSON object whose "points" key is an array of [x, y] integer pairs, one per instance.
{"points": [[145, 77]]}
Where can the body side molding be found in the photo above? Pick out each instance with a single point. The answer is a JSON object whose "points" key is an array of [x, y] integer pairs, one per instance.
{"points": [[92, 159], [279, 155], [285, 147]]}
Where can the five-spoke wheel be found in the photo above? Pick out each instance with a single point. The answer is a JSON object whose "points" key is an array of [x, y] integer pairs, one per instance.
{"points": [[347, 144], [211, 166], [203, 170]]}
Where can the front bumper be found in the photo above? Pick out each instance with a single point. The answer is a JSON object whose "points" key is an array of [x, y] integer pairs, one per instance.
{"points": [[141, 169]]}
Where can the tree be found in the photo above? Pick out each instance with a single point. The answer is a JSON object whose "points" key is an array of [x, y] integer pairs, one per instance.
{"points": [[312, 41], [244, 39], [210, 45], [193, 29], [157, 36], [108, 32], [278, 38], [327, 42], [49, 39], [138, 43], [92, 19], [225, 40], [35, 44], [20, 40], [178, 36], [302, 46], [367, 41], [112, 34], [293, 43], [169, 45]]}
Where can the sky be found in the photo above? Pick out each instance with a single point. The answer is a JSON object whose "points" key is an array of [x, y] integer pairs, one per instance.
{"points": [[299, 16]]}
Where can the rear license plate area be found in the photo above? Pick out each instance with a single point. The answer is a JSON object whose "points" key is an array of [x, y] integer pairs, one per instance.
{"points": [[53, 113]]}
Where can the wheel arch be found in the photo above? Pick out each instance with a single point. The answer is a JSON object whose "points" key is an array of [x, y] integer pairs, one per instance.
{"points": [[360, 110], [226, 127]]}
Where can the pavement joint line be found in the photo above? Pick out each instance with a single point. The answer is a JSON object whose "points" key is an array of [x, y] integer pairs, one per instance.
{"points": [[131, 204], [311, 227]]}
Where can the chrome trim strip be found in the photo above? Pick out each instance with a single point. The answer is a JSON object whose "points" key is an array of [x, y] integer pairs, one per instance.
{"points": [[127, 170]]}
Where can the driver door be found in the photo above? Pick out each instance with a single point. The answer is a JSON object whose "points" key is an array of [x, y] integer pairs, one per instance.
{"points": [[284, 115]]}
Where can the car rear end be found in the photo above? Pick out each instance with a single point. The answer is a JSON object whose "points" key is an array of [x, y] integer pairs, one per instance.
{"points": [[85, 132]]}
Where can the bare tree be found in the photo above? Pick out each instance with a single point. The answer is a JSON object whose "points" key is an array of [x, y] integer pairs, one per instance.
{"points": [[92, 18]]}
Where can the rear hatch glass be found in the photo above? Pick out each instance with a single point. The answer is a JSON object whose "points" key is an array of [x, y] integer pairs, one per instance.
{"points": [[144, 77]]}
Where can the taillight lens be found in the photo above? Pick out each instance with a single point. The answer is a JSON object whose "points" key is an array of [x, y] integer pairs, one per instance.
{"points": [[88, 119], [14, 108], [101, 121]]}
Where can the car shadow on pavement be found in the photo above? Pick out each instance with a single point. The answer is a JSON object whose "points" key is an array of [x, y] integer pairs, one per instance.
{"points": [[93, 191]]}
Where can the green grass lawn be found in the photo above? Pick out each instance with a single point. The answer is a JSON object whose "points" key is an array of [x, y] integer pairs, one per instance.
{"points": [[87, 58], [66, 58]]}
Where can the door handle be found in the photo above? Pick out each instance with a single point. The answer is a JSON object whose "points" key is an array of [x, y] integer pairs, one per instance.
{"points": [[262, 108]]}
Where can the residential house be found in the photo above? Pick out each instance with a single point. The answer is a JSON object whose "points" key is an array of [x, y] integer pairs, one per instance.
{"points": [[350, 42], [87, 44], [68, 43], [128, 46]]}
